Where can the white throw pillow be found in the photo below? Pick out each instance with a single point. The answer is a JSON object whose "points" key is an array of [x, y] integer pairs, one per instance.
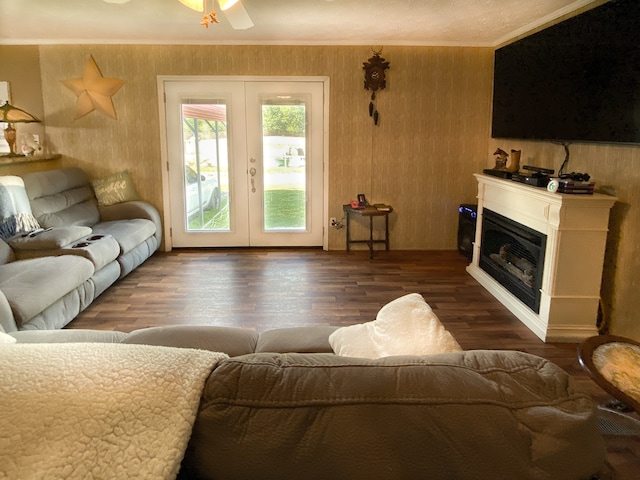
{"points": [[405, 326], [6, 338]]}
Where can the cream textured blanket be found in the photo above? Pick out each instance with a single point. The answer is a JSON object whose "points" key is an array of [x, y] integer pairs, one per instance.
{"points": [[103, 411]]}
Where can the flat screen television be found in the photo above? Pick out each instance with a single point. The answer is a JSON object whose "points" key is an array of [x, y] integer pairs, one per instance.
{"points": [[578, 80]]}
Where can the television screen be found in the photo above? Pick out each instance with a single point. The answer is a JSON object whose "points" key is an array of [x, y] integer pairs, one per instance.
{"points": [[578, 80]]}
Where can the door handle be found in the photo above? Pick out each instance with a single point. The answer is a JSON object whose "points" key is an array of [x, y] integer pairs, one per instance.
{"points": [[252, 172]]}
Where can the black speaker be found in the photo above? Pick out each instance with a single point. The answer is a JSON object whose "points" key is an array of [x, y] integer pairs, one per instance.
{"points": [[467, 229]]}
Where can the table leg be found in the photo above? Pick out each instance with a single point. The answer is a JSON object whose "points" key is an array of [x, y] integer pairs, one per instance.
{"points": [[371, 237], [348, 231], [386, 231]]}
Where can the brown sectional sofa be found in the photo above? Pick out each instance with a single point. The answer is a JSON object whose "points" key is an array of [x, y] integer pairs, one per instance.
{"points": [[284, 406]]}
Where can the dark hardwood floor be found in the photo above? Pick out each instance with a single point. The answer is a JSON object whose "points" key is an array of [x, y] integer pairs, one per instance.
{"points": [[263, 289]]}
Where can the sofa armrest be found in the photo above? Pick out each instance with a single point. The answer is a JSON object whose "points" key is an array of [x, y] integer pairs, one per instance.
{"points": [[131, 210], [69, 336], [7, 321], [49, 239]]}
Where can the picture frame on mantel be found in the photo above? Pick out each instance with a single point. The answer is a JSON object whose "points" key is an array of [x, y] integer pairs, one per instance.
{"points": [[4, 97]]}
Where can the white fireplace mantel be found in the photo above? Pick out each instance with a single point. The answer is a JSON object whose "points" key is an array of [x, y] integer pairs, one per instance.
{"points": [[576, 227]]}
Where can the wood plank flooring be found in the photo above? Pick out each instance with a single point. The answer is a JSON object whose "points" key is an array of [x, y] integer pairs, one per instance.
{"points": [[263, 289]]}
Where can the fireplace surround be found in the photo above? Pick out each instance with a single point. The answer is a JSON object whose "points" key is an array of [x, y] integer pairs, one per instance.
{"points": [[513, 255], [572, 231]]}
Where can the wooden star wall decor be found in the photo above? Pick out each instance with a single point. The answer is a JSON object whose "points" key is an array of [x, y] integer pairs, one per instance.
{"points": [[94, 92]]}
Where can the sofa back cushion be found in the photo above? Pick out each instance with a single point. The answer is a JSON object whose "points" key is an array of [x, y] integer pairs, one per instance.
{"points": [[61, 198], [475, 414]]}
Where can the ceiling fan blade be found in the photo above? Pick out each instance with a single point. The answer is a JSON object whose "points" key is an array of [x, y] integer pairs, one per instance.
{"points": [[238, 17], [197, 5]]}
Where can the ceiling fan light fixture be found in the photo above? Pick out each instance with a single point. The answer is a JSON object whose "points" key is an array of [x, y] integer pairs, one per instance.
{"points": [[197, 5], [226, 4]]}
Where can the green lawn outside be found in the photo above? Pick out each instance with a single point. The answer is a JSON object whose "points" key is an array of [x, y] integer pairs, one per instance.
{"points": [[284, 209]]}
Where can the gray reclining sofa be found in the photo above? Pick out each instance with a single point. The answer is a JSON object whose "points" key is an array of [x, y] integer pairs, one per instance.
{"points": [[51, 275]]}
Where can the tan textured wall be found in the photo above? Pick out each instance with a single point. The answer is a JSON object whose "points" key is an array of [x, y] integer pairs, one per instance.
{"points": [[20, 66], [432, 134]]}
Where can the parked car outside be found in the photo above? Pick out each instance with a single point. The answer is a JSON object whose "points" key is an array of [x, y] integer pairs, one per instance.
{"points": [[210, 198]]}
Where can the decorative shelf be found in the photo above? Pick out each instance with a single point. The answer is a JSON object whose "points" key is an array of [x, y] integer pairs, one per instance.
{"points": [[18, 159]]}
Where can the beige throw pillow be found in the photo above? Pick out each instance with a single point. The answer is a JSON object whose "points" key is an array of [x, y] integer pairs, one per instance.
{"points": [[115, 189], [405, 326]]}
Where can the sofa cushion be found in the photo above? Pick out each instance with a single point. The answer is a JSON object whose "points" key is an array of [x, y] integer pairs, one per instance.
{"points": [[83, 213], [229, 340], [50, 182], [477, 414], [128, 233], [296, 339], [405, 326], [61, 198], [115, 189], [33, 285]]}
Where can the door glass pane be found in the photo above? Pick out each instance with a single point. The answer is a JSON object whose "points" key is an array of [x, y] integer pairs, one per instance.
{"points": [[284, 149], [206, 165]]}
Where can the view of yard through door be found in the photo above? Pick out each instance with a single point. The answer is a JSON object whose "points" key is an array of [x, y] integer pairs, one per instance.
{"points": [[207, 166]]}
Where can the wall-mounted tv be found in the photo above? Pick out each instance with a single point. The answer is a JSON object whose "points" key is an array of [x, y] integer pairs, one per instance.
{"points": [[578, 80]]}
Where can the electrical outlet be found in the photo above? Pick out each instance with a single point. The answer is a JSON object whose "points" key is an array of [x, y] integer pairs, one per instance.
{"points": [[334, 223]]}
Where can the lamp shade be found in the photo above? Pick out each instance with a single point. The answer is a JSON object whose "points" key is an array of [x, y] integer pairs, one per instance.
{"points": [[11, 114]]}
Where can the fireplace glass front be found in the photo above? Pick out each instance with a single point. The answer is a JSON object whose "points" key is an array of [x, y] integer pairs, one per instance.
{"points": [[513, 255]]}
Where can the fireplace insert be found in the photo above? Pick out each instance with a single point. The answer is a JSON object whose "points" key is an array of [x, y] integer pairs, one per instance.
{"points": [[513, 254]]}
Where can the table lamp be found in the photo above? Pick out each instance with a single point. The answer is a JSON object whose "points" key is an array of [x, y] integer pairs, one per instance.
{"points": [[10, 114]]}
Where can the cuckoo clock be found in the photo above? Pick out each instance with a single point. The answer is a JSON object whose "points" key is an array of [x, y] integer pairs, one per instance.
{"points": [[374, 80]]}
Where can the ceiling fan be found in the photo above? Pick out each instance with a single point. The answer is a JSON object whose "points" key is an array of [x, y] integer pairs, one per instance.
{"points": [[233, 10]]}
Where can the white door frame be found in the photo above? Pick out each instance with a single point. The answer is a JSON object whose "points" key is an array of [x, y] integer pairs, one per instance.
{"points": [[164, 157]]}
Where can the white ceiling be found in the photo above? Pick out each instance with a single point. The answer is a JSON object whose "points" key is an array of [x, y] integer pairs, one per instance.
{"points": [[279, 22]]}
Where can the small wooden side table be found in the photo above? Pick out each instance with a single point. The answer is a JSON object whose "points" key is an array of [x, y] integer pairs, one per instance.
{"points": [[368, 212], [614, 364]]}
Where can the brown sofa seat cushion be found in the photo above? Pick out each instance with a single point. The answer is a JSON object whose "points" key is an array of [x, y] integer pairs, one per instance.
{"points": [[229, 340], [476, 414]]}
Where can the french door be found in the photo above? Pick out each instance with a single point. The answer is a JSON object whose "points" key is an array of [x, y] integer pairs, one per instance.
{"points": [[245, 162]]}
